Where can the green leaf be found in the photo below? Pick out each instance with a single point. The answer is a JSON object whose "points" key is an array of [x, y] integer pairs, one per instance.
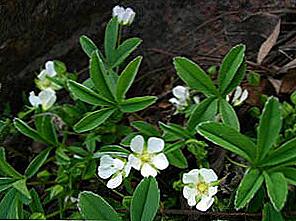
{"points": [[93, 120], [112, 150], [228, 138], [228, 114], [176, 130], [94, 207], [6, 168], [46, 128], [110, 40], [238, 77], [136, 103], [204, 111], [5, 183], [36, 163], [35, 205], [177, 159], [289, 173], [87, 95], [285, 153], [99, 76], [277, 189], [230, 65], [127, 77], [270, 214], [124, 50], [174, 146], [145, 201], [194, 76], [145, 128], [87, 45], [269, 127], [9, 205], [21, 186], [25, 129], [248, 187]]}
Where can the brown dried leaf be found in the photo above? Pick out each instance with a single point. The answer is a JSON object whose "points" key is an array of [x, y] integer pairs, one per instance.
{"points": [[288, 66], [269, 43]]}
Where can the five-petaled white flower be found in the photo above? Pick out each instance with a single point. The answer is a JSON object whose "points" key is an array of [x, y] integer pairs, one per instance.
{"points": [[43, 82], [199, 188], [45, 98], [239, 96], [149, 157], [180, 101], [114, 167], [124, 16]]}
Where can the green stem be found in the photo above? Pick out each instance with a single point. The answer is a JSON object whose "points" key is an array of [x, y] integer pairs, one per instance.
{"points": [[236, 163]]}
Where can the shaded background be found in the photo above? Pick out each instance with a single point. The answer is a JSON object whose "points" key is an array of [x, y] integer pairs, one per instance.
{"points": [[35, 31]]}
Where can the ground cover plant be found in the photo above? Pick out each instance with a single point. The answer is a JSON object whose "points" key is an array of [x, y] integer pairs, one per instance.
{"points": [[94, 163]]}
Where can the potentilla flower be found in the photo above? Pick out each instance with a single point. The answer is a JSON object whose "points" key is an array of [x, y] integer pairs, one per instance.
{"points": [[239, 96], [180, 101], [45, 98], [115, 168], [43, 82], [148, 158], [124, 16], [200, 188]]}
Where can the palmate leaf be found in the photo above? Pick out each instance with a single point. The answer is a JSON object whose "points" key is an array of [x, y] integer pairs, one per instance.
{"points": [[248, 187], [230, 65], [228, 114], [146, 128], [176, 130], [194, 76], [269, 127], [145, 200], [94, 207], [93, 120], [277, 188], [21, 186], [229, 139], [177, 159], [136, 103], [9, 205]]}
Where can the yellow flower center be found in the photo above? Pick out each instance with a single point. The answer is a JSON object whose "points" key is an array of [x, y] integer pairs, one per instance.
{"points": [[146, 157], [202, 187]]}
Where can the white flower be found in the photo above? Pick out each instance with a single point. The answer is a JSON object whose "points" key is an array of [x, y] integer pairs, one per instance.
{"points": [[239, 96], [43, 82], [124, 16], [149, 157], [114, 167], [45, 98], [198, 189], [180, 101]]}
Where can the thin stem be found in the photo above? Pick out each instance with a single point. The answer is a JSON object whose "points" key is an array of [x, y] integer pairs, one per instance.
{"points": [[236, 163]]}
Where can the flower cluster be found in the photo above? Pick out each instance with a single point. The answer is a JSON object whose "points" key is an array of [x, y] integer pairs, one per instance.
{"points": [[47, 97], [238, 96], [124, 16], [147, 158]]}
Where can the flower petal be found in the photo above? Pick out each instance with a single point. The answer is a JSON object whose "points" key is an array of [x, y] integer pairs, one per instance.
{"points": [[237, 93], [213, 190], [174, 101], [147, 170], [181, 92], [42, 75], [47, 98], [191, 201], [188, 192], [34, 100], [127, 169], [137, 144], [49, 66], [117, 10], [190, 177], [134, 162], [208, 175], [205, 203], [118, 164], [105, 172], [160, 161], [115, 181], [106, 161], [155, 145]]}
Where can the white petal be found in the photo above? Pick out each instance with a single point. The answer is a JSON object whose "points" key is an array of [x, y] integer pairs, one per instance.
{"points": [[42, 75], [244, 95], [181, 92], [134, 162], [115, 181], [191, 177], [208, 175], [137, 144], [228, 97], [117, 10], [196, 99], [155, 145], [188, 192], [160, 161], [105, 172], [174, 101], [205, 204], [106, 161], [118, 164], [34, 100], [132, 17], [48, 98], [49, 66], [191, 200], [237, 93], [127, 169], [147, 170], [213, 190]]}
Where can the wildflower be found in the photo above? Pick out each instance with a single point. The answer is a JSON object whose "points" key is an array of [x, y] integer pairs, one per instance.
{"points": [[149, 157], [43, 82], [180, 101], [124, 16], [45, 98], [239, 96], [114, 168], [200, 188]]}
